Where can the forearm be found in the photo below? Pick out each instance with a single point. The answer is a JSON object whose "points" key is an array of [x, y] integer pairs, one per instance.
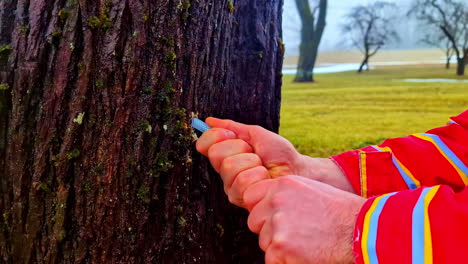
{"points": [[325, 170]]}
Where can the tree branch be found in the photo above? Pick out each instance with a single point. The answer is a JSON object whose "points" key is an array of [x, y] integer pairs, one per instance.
{"points": [[452, 39]]}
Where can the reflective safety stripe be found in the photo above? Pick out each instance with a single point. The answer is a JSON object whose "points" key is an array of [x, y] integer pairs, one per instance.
{"points": [[450, 122], [421, 228], [363, 166], [411, 182], [369, 232], [448, 154]]}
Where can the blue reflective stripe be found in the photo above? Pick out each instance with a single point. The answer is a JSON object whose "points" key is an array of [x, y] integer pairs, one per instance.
{"points": [[418, 229], [452, 122], [448, 152], [409, 182], [373, 227], [377, 148]]}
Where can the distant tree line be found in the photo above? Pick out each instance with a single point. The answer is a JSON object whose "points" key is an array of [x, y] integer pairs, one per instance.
{"points": [[371, 27]]}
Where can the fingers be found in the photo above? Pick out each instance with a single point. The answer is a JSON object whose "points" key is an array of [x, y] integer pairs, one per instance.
{"points": [[272, 257], [233, 165], [243, 181], [265, 236], [220, 151], [259, 215], [255, 193], [211, 137], [272, 230], [245, 132]]}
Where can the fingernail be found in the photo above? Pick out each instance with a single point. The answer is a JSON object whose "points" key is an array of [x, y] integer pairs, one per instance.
{"points": [[229, 134]]}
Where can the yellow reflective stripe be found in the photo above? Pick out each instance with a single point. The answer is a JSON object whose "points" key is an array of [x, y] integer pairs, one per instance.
{"points": [[403, 167], [365, 231], [363, 166], [427, 226], [370, 229], [463, 176]]}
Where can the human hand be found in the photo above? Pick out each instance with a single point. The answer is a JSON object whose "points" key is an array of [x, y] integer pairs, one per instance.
{"points": [[277, 154], [302, 221], [245, 154]]}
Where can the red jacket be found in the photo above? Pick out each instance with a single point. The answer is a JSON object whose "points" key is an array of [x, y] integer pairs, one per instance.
{"points": [[417, 211]]}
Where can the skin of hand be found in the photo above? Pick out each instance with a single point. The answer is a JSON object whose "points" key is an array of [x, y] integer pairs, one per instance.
{"points": [[245, 154], [302, 221]]}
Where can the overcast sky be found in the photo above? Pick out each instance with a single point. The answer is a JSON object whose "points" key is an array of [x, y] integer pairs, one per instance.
{"points": [[337, 9]]}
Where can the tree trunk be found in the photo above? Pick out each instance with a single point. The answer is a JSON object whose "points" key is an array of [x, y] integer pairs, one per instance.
{"points": [[461, 64], [97, 163], [307, 57], [364, 63], [311, 35], [449, 58]]}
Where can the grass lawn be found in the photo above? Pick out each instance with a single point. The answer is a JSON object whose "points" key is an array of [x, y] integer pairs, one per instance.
{"points": [[344, 111]]}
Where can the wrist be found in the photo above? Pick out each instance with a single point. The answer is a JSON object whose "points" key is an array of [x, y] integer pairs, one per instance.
{"points": [[324, 170], [346, 230]]}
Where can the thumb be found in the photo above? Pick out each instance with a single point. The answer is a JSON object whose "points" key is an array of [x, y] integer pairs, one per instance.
{"points": [[244, 132]]}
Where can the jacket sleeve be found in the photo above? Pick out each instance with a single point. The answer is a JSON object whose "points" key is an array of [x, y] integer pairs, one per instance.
{"points": [[418, 206], [426, 225], [437, 157]]}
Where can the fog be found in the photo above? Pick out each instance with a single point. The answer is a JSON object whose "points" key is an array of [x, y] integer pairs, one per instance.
{"points": [[332, 40]]}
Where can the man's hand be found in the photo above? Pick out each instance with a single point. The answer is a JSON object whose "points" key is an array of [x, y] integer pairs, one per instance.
{"points": [[302, 221], [244, 155]]}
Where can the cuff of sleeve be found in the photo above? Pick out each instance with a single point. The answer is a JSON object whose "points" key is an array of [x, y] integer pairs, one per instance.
{"points": [[349, 164], [370, 172], [358, 229]]}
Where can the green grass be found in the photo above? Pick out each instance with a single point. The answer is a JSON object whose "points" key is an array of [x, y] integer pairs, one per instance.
{"points": [[344, 111]]}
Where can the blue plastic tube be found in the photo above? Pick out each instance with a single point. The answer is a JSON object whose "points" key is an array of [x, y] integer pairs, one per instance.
{"points": [[200, 125]]}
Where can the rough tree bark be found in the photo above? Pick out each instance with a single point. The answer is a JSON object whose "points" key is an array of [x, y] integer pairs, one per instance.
{"points": [[97, 163], [311, 35]]}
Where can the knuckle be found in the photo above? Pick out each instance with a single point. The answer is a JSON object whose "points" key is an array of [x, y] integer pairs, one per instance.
{"points": [[278, 220], [286, 181], [255, 159], [255, 128], [271, 257], [198, 145], [214, 152], [231, 199], [278, 200], [242, 179], [279, 243], [234, 199], [227, 164], [251, 223], [247, 201], [242, 145]]}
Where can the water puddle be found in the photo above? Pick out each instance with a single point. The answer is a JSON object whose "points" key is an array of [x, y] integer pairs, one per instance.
{"points": [[344, 67], [435, 81]]}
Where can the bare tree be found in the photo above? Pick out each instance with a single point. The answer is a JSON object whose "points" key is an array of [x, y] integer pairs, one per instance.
{"points": [[439, 40], [451, 18], [313, 20], [371, 27]]}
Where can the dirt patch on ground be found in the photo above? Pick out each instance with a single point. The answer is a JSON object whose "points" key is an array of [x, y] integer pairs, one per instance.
{"points": [[429, 56]]}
